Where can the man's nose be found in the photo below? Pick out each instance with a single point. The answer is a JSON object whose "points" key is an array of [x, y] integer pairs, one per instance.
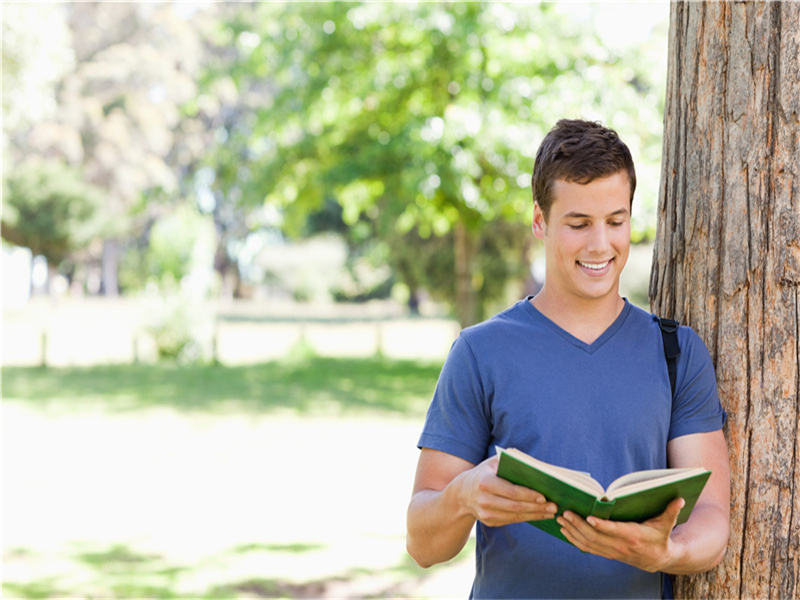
{"points": [[598, 239]]}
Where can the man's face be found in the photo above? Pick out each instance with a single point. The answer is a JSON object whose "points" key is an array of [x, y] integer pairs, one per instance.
{"points": [[586, 237]]}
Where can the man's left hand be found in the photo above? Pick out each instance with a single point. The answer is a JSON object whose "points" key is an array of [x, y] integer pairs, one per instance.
{"points": [[644, 545]]}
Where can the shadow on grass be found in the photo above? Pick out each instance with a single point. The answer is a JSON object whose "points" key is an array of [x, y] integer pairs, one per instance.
{"points": [[306, 386], [296, 548], [268, 588], [46, 587], [119, 572]]}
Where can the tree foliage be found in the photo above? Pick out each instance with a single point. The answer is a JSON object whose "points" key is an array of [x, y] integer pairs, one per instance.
{"points": [[409, 129], [421, 121], [118, 119], [49, 208], [36, 52]]}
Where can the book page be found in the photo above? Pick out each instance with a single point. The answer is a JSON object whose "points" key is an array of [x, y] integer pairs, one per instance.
{"points": [[577, 479], [642, 480]]}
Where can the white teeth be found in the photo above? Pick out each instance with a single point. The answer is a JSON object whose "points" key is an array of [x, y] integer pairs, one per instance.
{"points": [[594, 266]]}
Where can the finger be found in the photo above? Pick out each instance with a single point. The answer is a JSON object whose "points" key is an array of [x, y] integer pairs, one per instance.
{"points": [[580, 534], [498, 511], [574, 538], [493, 462], [517, 493], [669, 517], [576, 527], [497, 498], [597, 538], [528, 510], [603, 526], [522, 494]]}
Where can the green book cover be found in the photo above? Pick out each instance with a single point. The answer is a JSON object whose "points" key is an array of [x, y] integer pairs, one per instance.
{"points": [[634, 497]]}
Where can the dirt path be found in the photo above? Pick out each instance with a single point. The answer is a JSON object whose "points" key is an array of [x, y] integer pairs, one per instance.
{"points": [[157, 503]]}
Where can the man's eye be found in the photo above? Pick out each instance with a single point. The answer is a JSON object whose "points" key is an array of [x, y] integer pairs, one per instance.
{"points": [[577, 225], [617, 223]]}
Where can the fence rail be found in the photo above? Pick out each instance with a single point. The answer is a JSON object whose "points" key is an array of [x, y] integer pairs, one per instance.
{"points": [[102, 332]]}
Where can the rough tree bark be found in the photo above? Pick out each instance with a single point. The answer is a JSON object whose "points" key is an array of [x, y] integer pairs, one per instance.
{"points": [[727, 262]]}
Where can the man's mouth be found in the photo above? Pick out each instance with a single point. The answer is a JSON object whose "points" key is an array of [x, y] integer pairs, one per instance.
{"points": [[594, 266]]}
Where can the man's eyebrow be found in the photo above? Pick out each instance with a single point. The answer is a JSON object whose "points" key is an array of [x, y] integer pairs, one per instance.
{"points": [[579, 215]]}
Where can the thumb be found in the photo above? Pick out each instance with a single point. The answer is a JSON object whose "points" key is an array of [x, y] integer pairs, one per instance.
{"points": [[493, 462], [669, 517], [673, 510]]}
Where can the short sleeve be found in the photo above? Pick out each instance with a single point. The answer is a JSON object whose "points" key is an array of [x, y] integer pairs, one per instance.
{"points": [[458, 419], [695, 406]]}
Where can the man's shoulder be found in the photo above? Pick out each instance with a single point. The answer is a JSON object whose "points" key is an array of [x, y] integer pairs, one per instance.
{"points": [[499, 332], [690, 343], [512, 317], [640, 316], [686, 334]]}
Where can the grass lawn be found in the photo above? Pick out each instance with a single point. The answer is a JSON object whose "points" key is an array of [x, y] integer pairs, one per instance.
{"points": [[306, 385], [167, 481]]}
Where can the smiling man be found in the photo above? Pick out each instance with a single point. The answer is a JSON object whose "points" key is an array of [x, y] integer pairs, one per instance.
{"points": [[575, 376]]}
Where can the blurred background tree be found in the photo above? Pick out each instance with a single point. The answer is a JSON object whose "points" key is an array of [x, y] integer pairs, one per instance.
{"points": [[406, 131], [421, 123], [49, 208], [118, 118], [36, 53]]}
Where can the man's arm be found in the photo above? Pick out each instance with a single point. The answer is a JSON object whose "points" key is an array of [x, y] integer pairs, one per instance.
{"points": [[657, 545], [702, 540], [450, 494]]}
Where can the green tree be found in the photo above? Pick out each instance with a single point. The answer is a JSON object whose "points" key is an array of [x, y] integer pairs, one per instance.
{"points": [[222, 176], [49, 208], [421, 121], [35, 48], [178, 245], [118, 117]]}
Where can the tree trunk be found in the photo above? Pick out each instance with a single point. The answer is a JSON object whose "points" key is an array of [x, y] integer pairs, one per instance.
{"points": [[466, 296], [110, 268], [227, 269], [727, 262]]}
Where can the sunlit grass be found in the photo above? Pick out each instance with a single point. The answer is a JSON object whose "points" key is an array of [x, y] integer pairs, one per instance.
{"points": [[121, 572], [310, 385], [303, 387]]}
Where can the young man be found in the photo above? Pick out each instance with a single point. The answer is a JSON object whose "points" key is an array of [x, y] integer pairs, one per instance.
{"points": [[575, 376]]}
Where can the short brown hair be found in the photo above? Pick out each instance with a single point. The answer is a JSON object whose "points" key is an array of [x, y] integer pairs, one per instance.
{"points": [[578, 151]]}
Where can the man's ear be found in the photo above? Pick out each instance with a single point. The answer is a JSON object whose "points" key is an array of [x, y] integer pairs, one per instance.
{"points": [[539, 224]]}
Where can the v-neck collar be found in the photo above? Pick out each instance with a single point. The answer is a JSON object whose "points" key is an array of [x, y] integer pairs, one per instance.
{"points": [[588, 348]]}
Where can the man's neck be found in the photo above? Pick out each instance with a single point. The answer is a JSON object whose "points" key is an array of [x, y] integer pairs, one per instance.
{"points": [[584, 319]]}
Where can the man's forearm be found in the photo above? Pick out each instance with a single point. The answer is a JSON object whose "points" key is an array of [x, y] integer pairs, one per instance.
{"points": [[439, 522], [437, 529], [701, 542]]}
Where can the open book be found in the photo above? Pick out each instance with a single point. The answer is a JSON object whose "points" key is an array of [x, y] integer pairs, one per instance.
{"points": [[634, 497]]}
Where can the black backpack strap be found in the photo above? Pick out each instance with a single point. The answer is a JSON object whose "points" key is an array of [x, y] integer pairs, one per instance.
{"points": [[672, 349]]}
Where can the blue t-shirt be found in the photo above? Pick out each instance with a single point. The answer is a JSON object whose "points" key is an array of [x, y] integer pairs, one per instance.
{"points": [[519, 380]]}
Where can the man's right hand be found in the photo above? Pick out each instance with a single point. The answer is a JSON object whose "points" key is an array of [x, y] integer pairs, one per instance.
{"points": [[495, 502], [450, 494]]}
